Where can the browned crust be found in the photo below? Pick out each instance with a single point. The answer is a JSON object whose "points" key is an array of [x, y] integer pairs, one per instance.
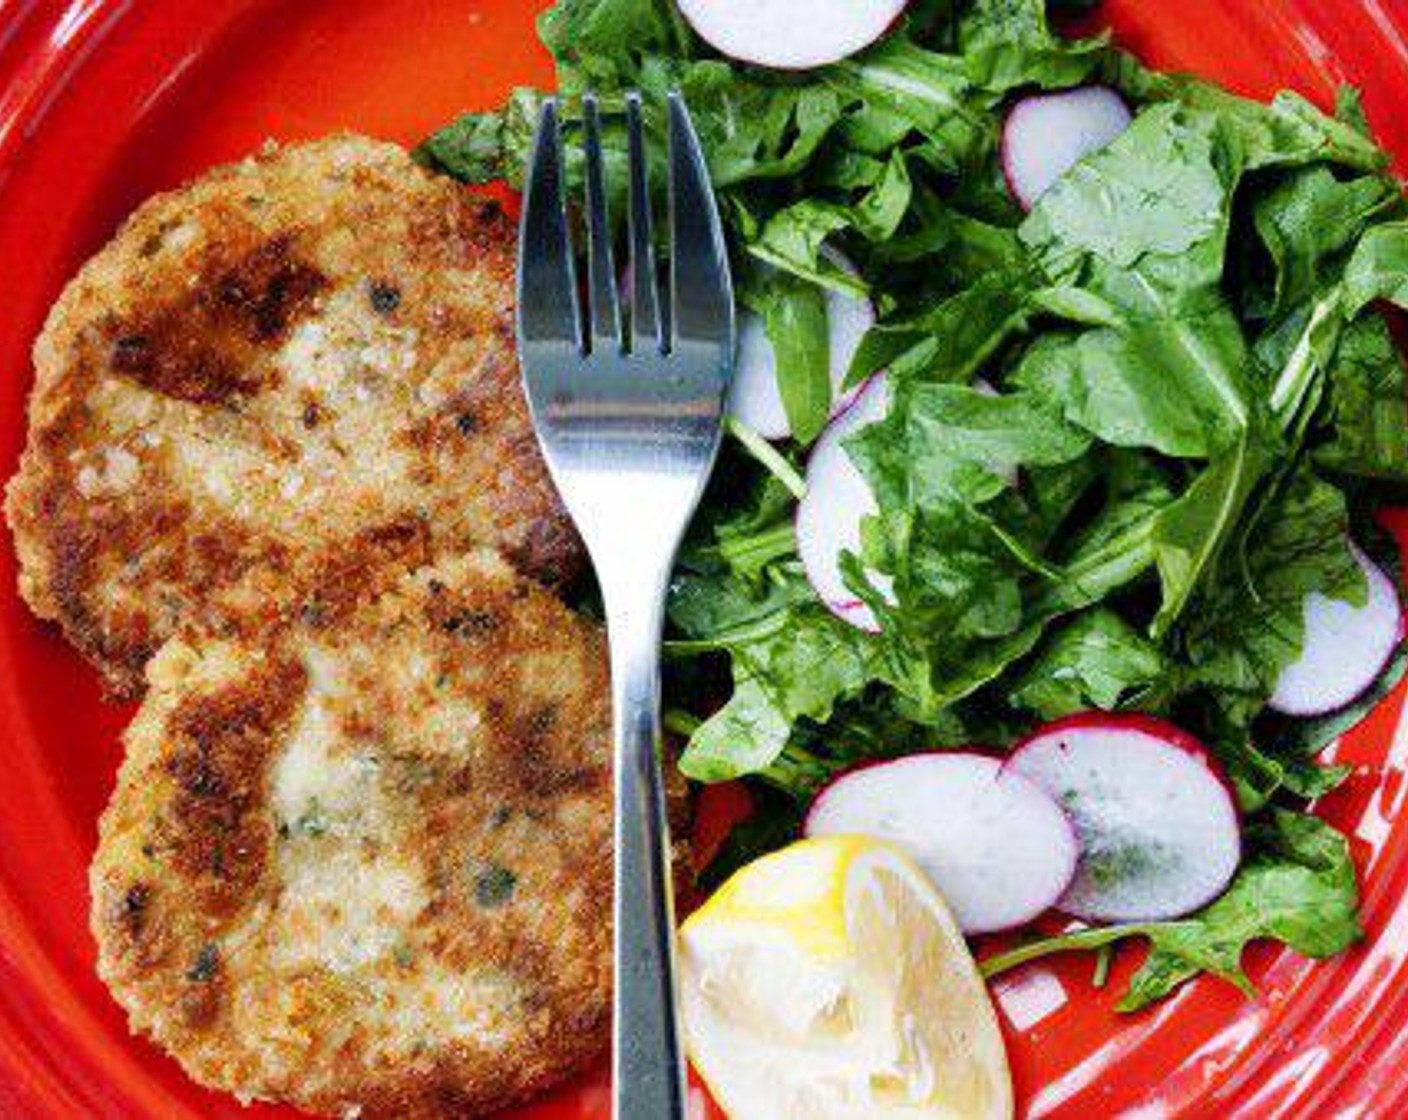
{"points": [[504, 824], [181, 354], [202, 345]]}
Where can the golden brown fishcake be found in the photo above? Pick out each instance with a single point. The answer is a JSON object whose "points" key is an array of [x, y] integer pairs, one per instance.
{"points": [[367, 865], [278, 376]]}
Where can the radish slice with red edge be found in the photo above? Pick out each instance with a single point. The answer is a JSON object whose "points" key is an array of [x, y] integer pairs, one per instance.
{"points": [[999, 849], [1047, 134], [756, 400], [1345, 648], [1155, 817], [837, 500], [790, 34]]}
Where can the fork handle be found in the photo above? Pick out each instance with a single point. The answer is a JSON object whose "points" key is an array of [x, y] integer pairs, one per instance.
{"points": [[648, 1063]]}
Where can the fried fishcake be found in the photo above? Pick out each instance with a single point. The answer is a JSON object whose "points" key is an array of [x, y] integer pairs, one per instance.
{"points": [[274, 379], [367, 865]]}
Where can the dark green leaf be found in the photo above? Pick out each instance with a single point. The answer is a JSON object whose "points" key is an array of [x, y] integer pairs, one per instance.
{"points": [[908, 89], [1094, 661], [1379, 268], [1176, 385], [1007, 44], [791, 659], [1309, 219], [1190, 535], [1248, 626], [795, 321], [1367, 405]]}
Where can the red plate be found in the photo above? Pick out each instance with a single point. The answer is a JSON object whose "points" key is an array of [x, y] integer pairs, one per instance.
{"points": [[104, 101]]}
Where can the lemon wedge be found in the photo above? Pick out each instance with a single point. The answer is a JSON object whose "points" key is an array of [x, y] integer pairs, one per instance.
{"points": [[828, 981]]}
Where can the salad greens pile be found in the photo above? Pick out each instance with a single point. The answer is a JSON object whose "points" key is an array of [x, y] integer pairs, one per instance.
{"points": [[1201, 400]]}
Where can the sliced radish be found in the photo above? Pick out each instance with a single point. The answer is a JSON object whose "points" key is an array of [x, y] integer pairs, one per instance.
{"points": [[1047, 134], [1345, 650], [999, 849], [838, 499], [790, 34], [756, 400], [1155, 817]]}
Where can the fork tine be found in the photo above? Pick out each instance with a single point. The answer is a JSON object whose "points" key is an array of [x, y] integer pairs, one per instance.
{"points": [[645, 290], [701, 299], [601, 268], [547, 282]]}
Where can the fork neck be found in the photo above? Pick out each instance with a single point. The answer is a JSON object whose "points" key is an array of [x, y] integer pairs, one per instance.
{"points": [[633, 588]]}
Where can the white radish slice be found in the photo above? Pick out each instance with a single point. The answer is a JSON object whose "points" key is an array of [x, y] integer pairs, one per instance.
{"points": [[1047, 134], [1155, 817], [998, 848], [790, 34], [1346, 647], [838, 499], [756, 399]]}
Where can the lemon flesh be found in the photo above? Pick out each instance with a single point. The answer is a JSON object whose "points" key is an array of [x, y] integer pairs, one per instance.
{"points": [[829, 981]]}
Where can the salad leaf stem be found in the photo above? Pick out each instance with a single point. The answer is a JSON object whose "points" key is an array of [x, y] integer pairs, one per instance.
{"points": [[1095, 938], [1104, 956], [679, 722], [767, 456]]}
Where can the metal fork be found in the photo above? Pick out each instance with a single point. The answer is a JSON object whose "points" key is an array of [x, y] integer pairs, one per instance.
{"points": [[628, 408]]}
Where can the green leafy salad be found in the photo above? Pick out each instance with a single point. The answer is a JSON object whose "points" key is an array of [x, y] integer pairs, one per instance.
{"points": [[1129, 430]]}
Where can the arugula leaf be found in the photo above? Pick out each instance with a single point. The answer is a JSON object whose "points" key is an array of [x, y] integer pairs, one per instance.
{"points": [[1114, 549], [1248, 627], [1309, 219], [1154, 195], [605, 38], [741, 541], [1007, 44], [744, 736], [970, 248], [1036, 510], [1175, 385], [1291, 358], [791, 659], [795, 322], [953, 338], [1367, 407], [1289, 132], [1189, 535], [471, 148], [1142, 226], [1297, 886], [483, 147], [907, 89], [1379, 268], [749, 130], [793, 237], [942, 443], [1095, 661]]}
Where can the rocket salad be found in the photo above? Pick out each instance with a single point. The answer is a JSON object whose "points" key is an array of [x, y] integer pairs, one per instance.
{"points": [[1120, 411]]}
